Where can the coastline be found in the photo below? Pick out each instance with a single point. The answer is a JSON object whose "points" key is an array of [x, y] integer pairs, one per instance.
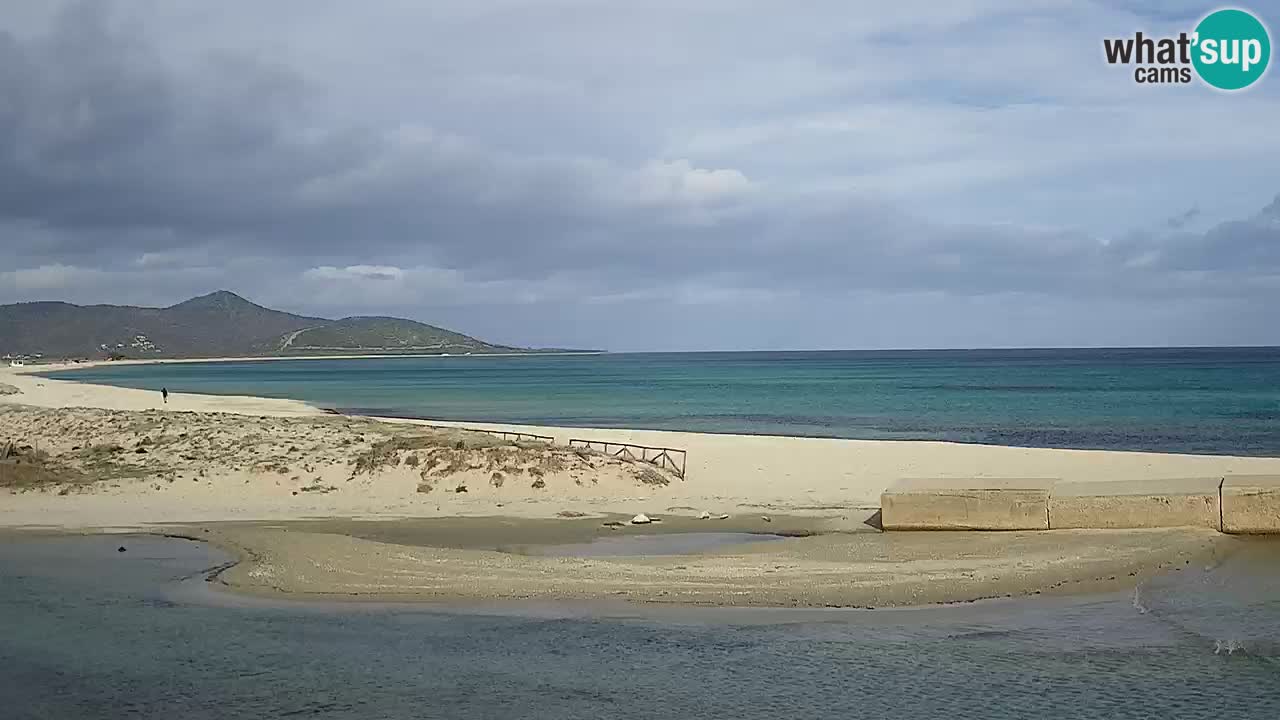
{"points": [[39, 391], [455, 566], [726, 473], [86, 364], [825, 488], [331, 561]]}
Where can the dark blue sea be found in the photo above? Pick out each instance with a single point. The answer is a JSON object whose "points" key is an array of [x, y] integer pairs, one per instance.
{"points": [[1186, 400], [89, 633]]}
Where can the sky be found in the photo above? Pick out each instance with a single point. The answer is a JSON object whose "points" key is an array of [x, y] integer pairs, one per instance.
{"points": [[666, 175]]}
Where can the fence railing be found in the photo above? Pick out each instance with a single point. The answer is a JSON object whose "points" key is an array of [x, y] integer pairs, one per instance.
{"points": [[504, 434], [672, 459], [520, 436]]}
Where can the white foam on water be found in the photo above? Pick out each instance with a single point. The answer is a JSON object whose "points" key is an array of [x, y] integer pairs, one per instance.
{"points": [[1137, 601], [1227, 646]]}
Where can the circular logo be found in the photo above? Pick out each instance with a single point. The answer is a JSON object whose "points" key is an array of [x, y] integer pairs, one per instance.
{"points": [[1232, 49]]}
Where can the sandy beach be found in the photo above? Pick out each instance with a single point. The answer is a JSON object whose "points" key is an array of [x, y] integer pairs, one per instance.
{"points": [[255, 475], [725, 473]]}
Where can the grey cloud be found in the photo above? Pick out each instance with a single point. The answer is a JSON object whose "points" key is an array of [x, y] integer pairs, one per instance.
{"points": [[128, 175], [1181, 220], [113, 140], [1226, 252]]}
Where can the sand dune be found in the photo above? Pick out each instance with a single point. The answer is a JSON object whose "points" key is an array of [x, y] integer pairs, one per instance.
{"points": [[90, 467]]}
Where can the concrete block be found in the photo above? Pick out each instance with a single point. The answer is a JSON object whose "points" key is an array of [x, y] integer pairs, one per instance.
{"points": [[966, 504], [1251, 504], [1183, 502]]}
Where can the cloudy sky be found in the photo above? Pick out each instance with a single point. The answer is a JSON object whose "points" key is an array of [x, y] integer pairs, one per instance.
{"points": [[669, 175]]}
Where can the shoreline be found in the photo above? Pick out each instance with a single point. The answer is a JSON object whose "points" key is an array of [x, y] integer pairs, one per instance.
{"points": [[297, 491], [726, 473], [288, 406], [294, 563], [250, 404], [263, 569], [532, 428], [64, 365]]}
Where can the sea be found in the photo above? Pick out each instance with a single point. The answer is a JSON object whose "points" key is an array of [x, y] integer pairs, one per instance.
{"points": [[89, 632], [1184, 400]]}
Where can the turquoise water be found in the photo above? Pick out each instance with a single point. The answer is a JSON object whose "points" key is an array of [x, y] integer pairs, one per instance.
{"points": [[1209, 400], [87, 633]]}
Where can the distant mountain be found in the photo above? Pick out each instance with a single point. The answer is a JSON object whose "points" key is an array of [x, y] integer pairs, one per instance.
{"points": [[380, 334], [217, 324]]}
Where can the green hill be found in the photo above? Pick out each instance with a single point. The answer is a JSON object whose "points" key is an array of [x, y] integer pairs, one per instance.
{"points": [[381, 334], [218, 324]]}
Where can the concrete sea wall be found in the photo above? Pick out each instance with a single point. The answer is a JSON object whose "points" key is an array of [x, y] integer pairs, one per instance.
{"points": [[1251, 504], [1188, 502], [1231, 504], [966, 504]]}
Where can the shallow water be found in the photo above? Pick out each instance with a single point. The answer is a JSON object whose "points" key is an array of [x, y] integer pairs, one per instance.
{"points": [[1190, 400], [87, 632]]}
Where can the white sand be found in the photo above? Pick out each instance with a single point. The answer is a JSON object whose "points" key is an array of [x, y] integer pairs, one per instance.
{"points": [[44, 392], [726, 473]]}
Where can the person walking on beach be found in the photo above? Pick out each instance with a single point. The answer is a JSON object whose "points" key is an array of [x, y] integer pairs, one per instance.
{"points": [[164, 393]]}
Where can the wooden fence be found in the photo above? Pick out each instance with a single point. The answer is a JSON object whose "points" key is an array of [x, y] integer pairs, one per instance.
{"points": [[672, 459], [504, 434], [517, 436]]}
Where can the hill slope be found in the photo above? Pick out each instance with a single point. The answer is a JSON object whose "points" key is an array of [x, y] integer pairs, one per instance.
{"points": [[381, 333], [217, 324]]}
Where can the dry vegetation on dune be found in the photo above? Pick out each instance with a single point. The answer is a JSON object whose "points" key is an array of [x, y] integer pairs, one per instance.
{"points": [[24, 467], [437, 456], [80, 449]]}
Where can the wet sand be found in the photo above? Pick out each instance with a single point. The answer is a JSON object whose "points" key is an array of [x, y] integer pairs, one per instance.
{"points": [[511, 533], [483, 560]]}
